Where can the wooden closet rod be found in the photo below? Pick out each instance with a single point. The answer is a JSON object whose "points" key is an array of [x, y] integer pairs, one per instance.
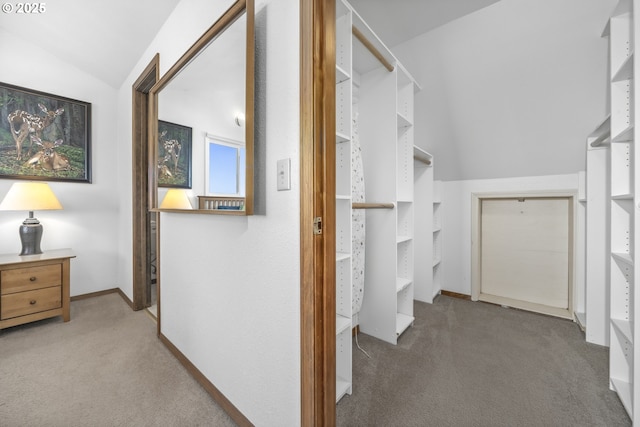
{"points": [[372, 206], [371, 48], [423, 160]]}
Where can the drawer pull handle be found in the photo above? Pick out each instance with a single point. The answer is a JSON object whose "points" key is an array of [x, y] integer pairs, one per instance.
{"points": [[32, 302], [32, 278]]}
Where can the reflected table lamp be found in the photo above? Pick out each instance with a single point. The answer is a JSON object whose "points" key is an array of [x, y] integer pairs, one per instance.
{"points": [[176, 199], [30, 196]]}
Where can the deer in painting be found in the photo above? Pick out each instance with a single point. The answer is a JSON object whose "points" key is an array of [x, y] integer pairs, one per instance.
{"points": [[163, 170], [23, 123], [172, 148], [47, 158]]}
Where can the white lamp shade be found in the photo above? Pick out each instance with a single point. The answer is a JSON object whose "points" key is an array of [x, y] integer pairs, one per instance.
{"points": [[176, 199], [30, 196]]}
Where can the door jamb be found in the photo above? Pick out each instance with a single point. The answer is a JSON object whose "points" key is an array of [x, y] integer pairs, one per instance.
{"points": [[476, 234], [317, 200], [141, 231]]}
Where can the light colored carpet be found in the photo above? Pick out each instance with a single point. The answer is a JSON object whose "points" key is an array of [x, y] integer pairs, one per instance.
{"points": [[105, 367], [461, 364], [466, 363]]}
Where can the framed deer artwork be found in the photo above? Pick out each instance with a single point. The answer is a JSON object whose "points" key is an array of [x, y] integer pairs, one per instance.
{"points": [[174, 155], [44, 136]]}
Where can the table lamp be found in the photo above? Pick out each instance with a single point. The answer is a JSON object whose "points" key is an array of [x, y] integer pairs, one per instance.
{"points": [[30, 196], [176, 199]]}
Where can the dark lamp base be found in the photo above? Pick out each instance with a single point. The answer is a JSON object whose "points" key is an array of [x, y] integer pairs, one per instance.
{"points": [[30, 236]]}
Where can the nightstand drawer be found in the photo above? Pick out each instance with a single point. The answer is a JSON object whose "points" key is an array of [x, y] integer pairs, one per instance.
{"points": [[23, 303], [30, 278]]}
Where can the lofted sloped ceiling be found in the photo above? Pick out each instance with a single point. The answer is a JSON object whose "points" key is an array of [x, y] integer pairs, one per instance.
{"points": [[401, 20], [104, 38]]}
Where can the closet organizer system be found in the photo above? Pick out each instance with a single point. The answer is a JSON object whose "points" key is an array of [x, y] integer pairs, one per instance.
{"points": [[613, 201], [375, 207]]}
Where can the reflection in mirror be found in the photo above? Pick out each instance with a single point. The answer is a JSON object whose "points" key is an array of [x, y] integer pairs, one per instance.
{"points": [[224, 167], [208, 92]]}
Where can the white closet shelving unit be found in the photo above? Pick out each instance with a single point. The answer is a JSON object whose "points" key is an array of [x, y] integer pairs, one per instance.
{"points": [[594, 206], [343, 201], [425, 287], [579, 294], [437, 238], [384, 110], [385, 120], [382, 100], [623, 353]]}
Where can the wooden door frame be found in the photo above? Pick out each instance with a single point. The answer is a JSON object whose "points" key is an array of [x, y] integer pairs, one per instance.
{"points": [[317, 200], [141, 231]]}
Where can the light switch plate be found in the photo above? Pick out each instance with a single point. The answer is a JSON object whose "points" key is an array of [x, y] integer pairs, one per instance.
{"points": [[284, 174]]}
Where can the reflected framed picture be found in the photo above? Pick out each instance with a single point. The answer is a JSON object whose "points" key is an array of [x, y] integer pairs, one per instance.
{"points": [[174, 155], [224, 167], [44, 136]]}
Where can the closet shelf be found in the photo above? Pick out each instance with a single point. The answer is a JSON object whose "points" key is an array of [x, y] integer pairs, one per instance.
{"points": [[342, 386], [623, 257], [626, 135], [625, 196], [623, 6], [403, 321], [602, 128], [623, 327], [342, 324], [341, 256], [625, 72], [581, 319], [623, 388], [601, 134], [402, 239], [341, 75], [403, 121], [437, 229], [342, 197], [402, 283], [341, 137]]}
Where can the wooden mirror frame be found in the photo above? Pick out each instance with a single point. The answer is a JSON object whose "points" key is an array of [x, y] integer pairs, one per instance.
{"points": [[225, 21]]}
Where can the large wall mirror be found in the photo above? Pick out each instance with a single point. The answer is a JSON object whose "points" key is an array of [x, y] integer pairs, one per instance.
{"points": [[201, 126]]}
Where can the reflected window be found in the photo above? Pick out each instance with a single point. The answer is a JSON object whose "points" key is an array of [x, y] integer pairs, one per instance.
{"points": [[225, 167]]}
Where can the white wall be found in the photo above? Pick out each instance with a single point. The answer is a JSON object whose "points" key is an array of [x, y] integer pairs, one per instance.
{"points": [[230, 291], [511, 90], [88, 222], [456, 219]]}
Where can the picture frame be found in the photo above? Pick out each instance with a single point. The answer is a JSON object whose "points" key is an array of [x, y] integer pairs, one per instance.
{"points": [[44, 136], [174, 155]]}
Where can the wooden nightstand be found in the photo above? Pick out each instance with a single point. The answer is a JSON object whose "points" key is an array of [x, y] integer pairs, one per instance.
{"points": [[34, 287]]}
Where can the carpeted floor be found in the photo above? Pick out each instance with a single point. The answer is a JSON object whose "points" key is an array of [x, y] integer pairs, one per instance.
{"points": [[104, 368], [467, 363], [461, 364]]}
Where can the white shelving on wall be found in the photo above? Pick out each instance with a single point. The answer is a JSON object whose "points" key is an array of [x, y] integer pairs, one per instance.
{"points": [[343, 202], [624, 354], [579, 295], [374, 110], [424, 285], [594, 209], [384, 112], [437, 237]]}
